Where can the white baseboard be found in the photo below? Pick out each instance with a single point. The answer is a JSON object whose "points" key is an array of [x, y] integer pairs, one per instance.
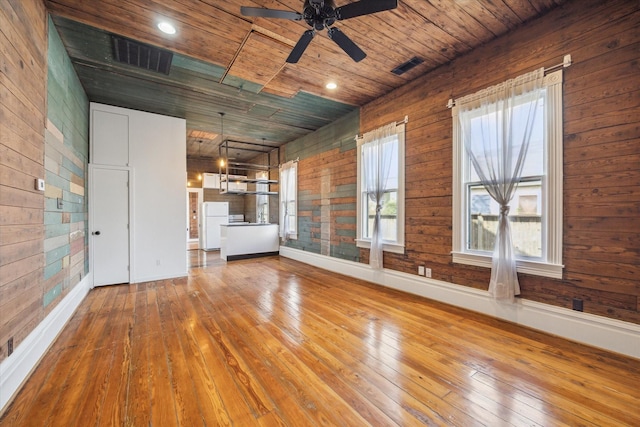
{"points": [[15, 369], [610, 334]]}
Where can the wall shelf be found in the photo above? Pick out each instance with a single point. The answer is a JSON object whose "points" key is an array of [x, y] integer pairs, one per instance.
{"points": [[251, 180], [244, 193], [237, 184]]}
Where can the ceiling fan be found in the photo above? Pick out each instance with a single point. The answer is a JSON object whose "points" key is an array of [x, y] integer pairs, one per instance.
{"points": [[321, 14]]}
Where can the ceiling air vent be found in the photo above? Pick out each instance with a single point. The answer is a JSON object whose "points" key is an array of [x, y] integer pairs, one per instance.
{"points": [[403, 68], [141, 55]]}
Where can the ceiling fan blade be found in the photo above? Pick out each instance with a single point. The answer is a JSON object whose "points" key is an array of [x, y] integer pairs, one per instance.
{"points": [[346, 44], [300, 47], [270, 13], [364, 7]]}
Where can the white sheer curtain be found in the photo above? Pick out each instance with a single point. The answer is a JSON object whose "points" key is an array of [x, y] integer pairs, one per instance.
{"points": [[288, 193], [376, 165], [496, 125]]}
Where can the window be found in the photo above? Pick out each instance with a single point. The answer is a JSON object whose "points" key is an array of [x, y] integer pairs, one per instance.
{"points": [[536, 207], [386, 155], [289, 200], [262, 200]]}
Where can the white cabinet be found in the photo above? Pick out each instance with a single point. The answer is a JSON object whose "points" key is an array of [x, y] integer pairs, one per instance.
{"points": [[109, 138], [211, 180], [236, 183]]}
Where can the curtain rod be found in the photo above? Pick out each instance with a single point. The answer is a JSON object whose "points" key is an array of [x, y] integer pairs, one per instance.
{"points": [[566, 61], [404, 121]]}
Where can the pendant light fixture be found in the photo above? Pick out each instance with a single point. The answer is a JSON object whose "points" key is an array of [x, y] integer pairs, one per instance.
{"points": [[221, 137], [199, 157]]}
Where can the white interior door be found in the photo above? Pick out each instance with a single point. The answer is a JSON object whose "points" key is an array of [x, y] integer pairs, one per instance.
{"points": [[109, 240]]}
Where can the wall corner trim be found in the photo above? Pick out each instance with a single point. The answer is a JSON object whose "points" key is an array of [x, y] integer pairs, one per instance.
{"points": [[597, 331], [16, 369]]}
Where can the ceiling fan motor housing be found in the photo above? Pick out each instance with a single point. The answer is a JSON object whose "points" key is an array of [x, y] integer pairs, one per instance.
{"points": [[319, 14]]}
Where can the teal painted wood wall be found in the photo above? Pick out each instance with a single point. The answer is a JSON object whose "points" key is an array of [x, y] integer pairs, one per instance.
{"points": [[327, 188], [66, 160]]}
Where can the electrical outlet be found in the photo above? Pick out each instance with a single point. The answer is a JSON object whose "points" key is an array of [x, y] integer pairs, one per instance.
{"points": [[421, 270], [9, 346], [578, 304], [427, 272]]}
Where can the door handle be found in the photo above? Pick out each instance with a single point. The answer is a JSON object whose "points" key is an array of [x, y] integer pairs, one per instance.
{"points": [[96, 233]]}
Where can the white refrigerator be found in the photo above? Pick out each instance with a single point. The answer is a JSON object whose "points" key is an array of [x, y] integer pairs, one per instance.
{"points": [[213, 214]]}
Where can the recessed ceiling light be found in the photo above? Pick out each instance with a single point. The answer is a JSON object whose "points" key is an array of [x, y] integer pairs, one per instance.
{"points": [[331, 85], [167, 28]]}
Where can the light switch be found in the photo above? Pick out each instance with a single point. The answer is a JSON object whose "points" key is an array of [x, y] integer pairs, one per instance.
{"points": [[39, 184]]}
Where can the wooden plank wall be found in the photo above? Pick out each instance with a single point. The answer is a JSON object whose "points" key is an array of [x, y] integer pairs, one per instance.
{"points": [[23, 77], [327, 189], [66, 156], [601, 153]]}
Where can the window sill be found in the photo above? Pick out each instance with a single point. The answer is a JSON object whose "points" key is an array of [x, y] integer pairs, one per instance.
{"points": [[395, 248], [526, 267]]}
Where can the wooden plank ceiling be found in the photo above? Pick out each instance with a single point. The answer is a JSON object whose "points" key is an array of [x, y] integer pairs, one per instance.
{"points": [[225, 62]]}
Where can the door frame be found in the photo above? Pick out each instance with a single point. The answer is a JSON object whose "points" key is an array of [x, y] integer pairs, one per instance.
{"points": [[91, 222], [200, 193]]}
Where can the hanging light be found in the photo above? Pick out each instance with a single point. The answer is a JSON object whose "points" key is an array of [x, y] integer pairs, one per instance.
{"points": [[199, 157], [221, 136]]}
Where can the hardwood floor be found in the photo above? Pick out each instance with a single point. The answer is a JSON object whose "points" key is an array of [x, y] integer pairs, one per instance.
{"points": [[271, 341]]}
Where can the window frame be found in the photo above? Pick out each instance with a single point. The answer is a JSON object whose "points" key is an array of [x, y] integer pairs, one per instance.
{"points": [[398, 245], [552, 205], [292, 169], [261, 190]]}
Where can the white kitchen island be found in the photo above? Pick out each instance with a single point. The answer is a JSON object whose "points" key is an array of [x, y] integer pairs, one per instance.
{"points": [[248, 240]]}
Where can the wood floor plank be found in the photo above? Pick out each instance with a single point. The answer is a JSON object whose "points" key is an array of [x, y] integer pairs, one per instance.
{"points": [[227, 398], [273, 342], [138, 401], [81, 405], [201, 360], [186, 407], [163, 411], [223, 327], [562, 376], [267, 373], [91, 402], [351, 351], [68, 356], [33, 389], [274, 318], [113, 407]]}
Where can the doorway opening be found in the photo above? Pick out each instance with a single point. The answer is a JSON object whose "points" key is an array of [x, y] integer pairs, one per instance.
{"points": [[194, 200]]}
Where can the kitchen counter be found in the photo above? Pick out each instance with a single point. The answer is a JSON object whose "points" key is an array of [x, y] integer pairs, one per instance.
{"points": [[248, 240]]}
